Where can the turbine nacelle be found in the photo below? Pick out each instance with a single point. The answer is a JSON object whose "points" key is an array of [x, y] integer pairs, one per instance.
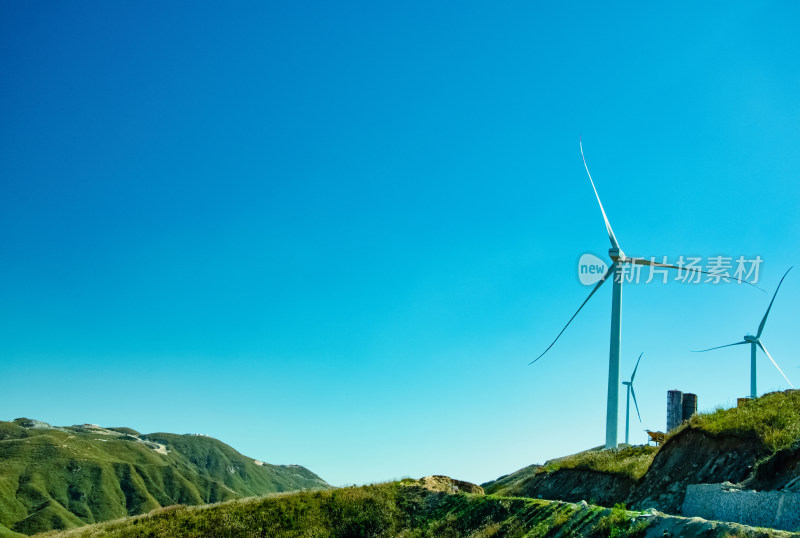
{"points": [[750, 338], [616, 254]]}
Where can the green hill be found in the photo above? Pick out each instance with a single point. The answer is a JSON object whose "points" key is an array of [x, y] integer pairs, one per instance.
{"points": [[63, 477], [409, 509]]}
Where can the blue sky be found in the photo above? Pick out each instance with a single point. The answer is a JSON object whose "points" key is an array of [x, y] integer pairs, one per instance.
{"points": [[335, 234]]}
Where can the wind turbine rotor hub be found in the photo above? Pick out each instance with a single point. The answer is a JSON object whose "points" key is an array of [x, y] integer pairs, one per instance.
{"points": [[750, 338], [616, 254]]}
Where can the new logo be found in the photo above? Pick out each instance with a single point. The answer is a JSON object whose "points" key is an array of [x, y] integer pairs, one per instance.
{"points": [[591, 269]]}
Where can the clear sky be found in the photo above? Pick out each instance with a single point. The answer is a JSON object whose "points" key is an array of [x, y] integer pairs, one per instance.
{"points": [[336, 233]]}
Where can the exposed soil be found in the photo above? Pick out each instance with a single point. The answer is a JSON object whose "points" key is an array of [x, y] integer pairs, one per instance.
{"points": [[574, 485], [781, 471], [695, 457]]}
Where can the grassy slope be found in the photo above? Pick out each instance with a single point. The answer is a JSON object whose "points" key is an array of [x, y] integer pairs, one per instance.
{"points": [[511, 482], [774, 419], [400, 510], [631, 462], [217, 461], [380, 510], [66, 477]]}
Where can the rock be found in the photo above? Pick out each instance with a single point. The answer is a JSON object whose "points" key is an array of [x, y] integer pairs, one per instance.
{"points": [[445, 484]]}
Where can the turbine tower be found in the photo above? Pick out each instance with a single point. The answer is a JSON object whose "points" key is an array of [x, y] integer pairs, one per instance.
{"points": [[755, 343], [628, 406], [618, 259]]}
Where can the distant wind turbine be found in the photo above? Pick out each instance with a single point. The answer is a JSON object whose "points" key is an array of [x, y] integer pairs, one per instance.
{"points": [[619, 259], [628, 406], [755, 342]]}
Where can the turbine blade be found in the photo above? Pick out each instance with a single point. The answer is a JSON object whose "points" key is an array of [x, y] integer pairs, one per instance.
{"points": [[775, 363], [719, 347], [597, 287], [644, 261], [637, 366], [605, 217], [633, 393], [764, 321]]}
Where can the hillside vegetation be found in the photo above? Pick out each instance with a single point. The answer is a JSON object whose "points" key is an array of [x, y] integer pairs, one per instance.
{"points": [[773, 418], [63, 477], [725, 445], [631, 461], [406, 509]]}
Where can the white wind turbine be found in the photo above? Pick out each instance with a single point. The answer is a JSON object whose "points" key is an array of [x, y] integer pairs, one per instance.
{"points": [[618, 259], [628, 405], [755, 342]]}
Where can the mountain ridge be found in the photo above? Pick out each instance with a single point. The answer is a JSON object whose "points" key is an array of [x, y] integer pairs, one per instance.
{"points": [[59, 477]]}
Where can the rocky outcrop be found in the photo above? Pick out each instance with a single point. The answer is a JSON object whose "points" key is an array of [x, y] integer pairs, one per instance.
{"points": [[444, 484]]}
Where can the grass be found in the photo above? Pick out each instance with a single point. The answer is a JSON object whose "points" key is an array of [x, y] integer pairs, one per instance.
{"points": [[378, 510], [511, 482], [774, 418], [632, 462], [618, 523]]}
